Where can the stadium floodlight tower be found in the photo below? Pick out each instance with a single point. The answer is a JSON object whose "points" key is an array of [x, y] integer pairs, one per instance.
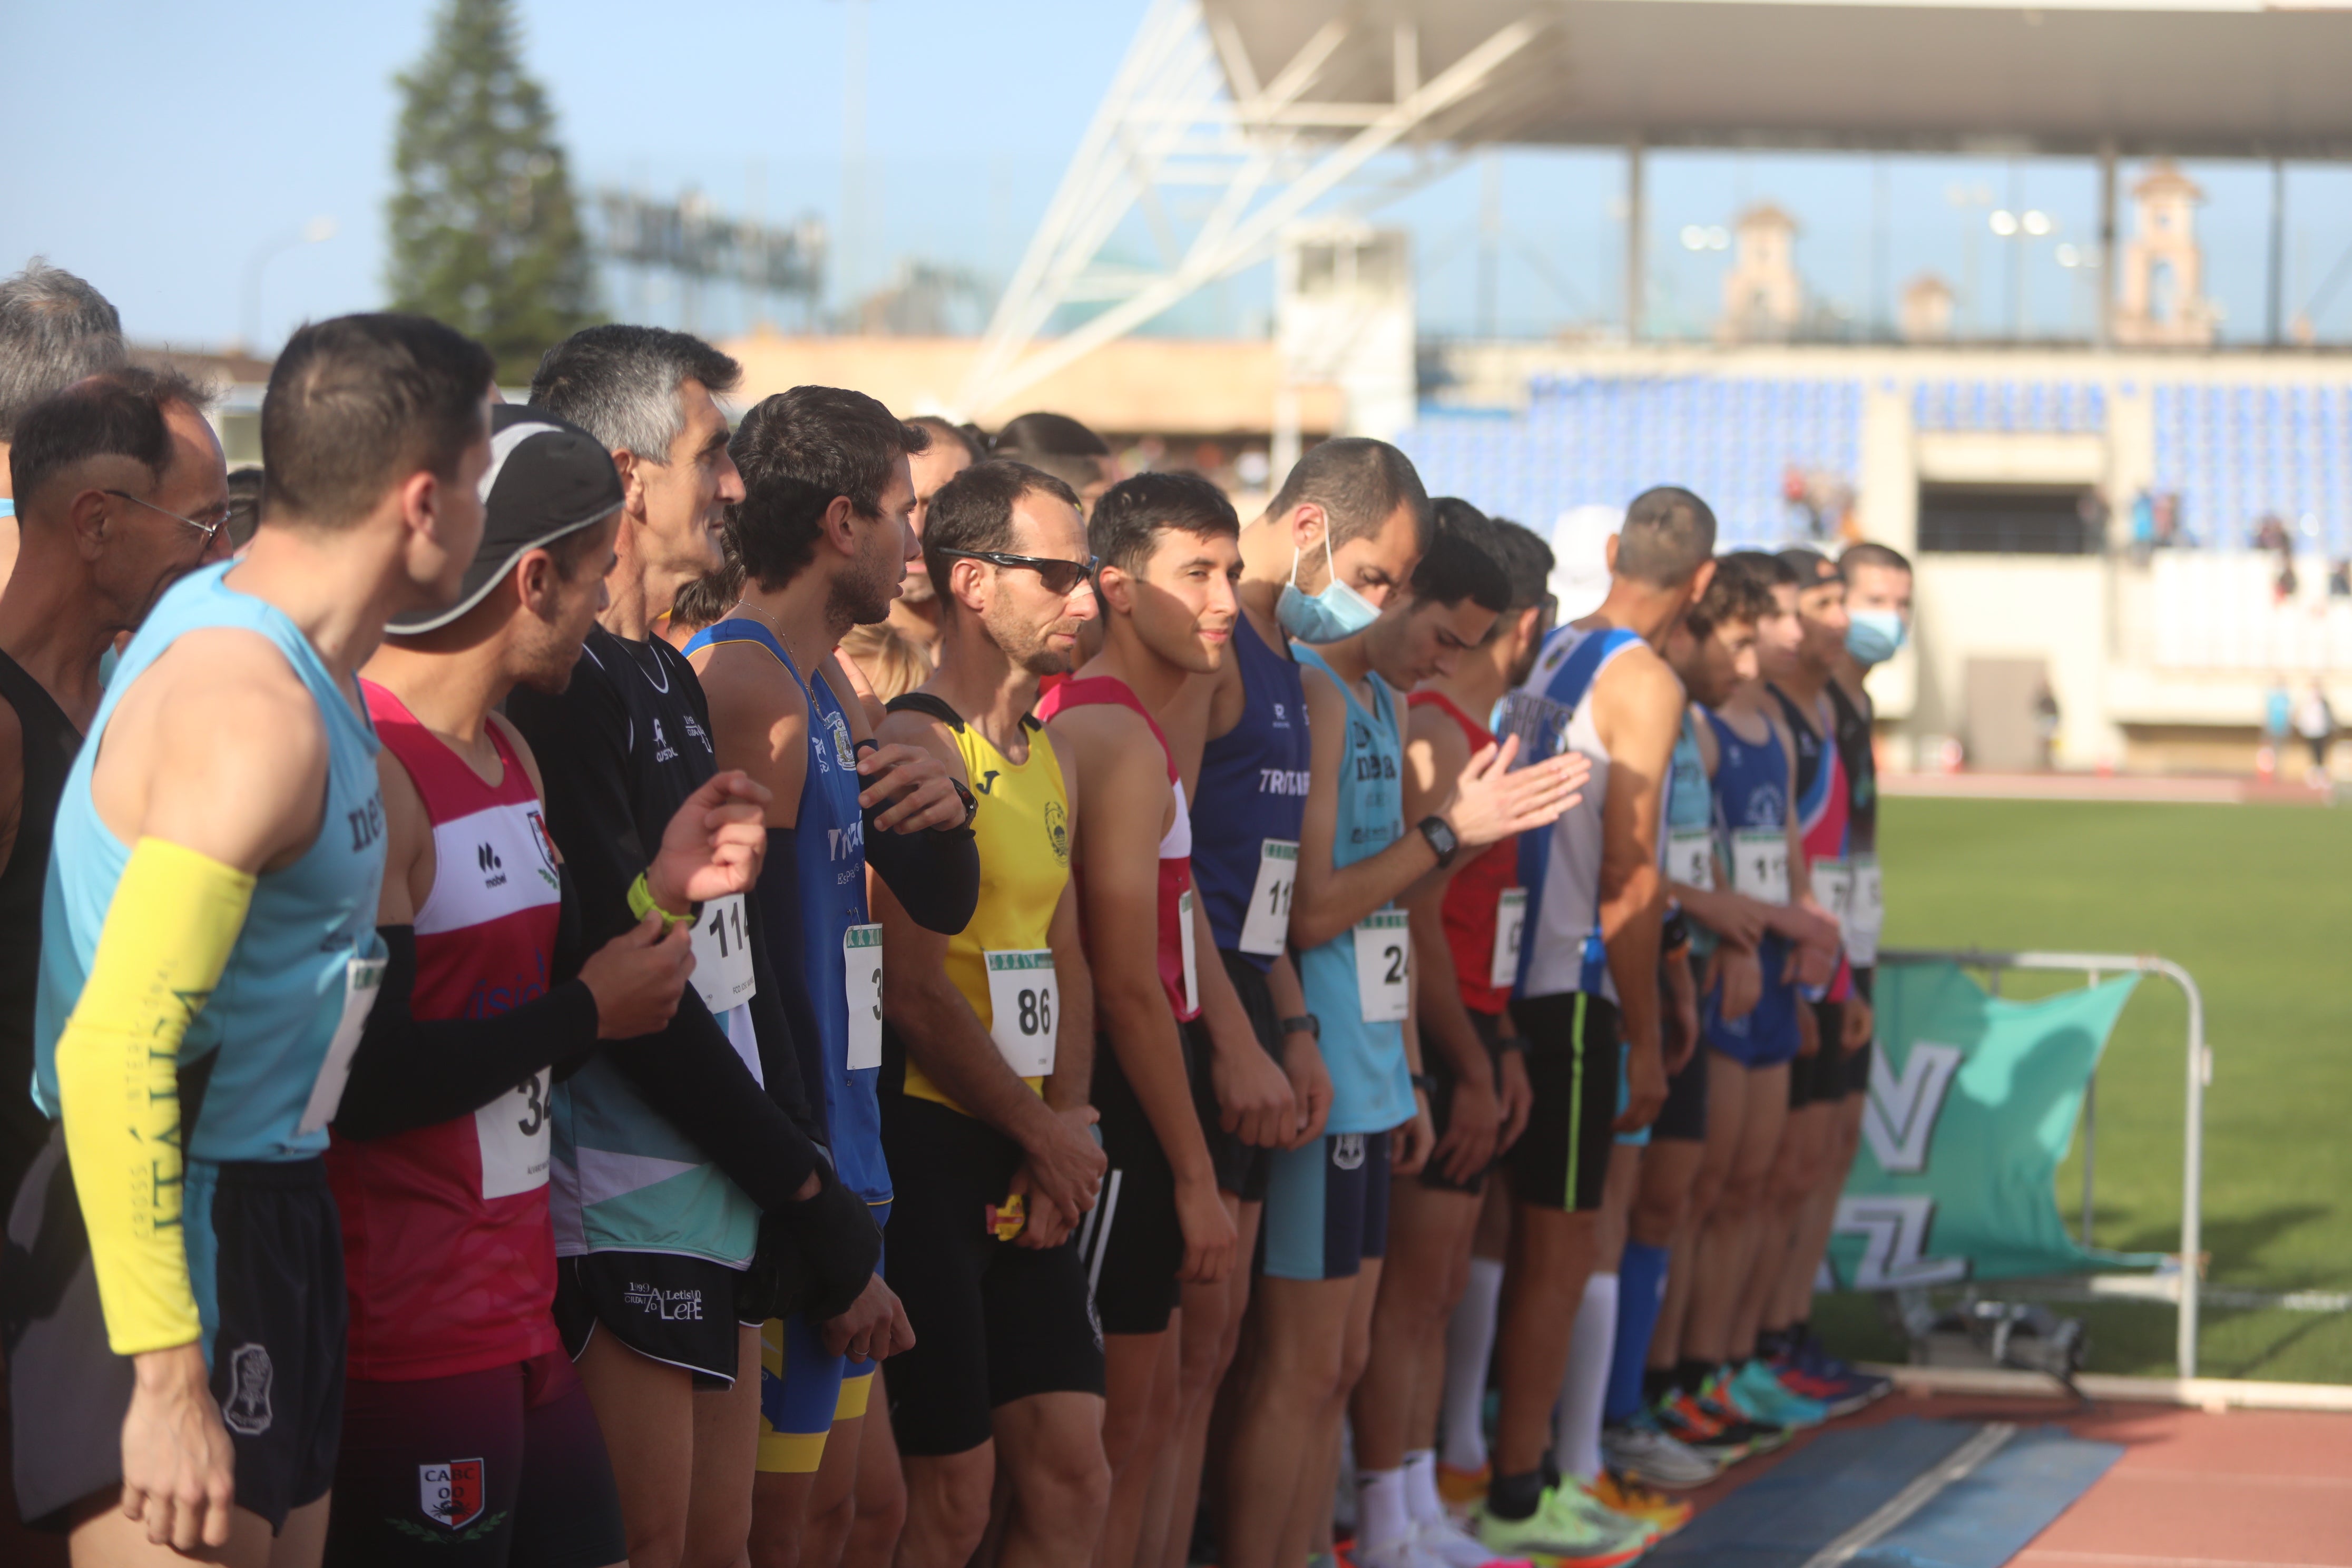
{"points": [[1230, 118]]}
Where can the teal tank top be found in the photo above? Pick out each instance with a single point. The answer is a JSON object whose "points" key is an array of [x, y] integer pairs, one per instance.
{"points": [[1371, 1087], [1690, 810], [309, 935]]}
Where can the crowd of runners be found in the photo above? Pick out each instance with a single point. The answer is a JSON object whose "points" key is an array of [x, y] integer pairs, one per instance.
{"points": [[610, 985]]}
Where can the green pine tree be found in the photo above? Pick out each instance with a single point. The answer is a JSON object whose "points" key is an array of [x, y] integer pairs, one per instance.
{"points": [[484, 233]]}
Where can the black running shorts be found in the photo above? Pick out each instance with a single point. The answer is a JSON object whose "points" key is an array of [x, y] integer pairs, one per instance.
{"points": [[1442, 1079], [1131, 1242], [1820, 1078], [265, 1253], [677, 1311], [996, 1321], [1241, 1167], [1561, 1161], [500, 1468]]}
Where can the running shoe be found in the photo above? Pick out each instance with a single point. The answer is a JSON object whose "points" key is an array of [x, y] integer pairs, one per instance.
{"points": [[1756, 1394], [1838, 1396], [1567, 1528], [1716, 1432], [1447, 1542], [1463, 1488], [1655, 1509], [1816, 1361], [1642, 1450]]}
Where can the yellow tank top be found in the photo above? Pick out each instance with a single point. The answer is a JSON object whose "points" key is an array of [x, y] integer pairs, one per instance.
{"points": [[1022, 831]]}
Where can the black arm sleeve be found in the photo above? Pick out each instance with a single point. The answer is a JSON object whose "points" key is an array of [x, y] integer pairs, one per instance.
{"points": [[779, 901], [935, 877], [690, 1071], [410, 1072]]}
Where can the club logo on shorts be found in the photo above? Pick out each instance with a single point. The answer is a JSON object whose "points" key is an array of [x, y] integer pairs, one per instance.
{"points": [[669, 1306], [1348, 1150], [451, 1494], [249, 1377]]}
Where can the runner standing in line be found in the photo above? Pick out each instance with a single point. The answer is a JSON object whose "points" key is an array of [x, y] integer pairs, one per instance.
{"points": [[665, 1161], [1165, 550], [55, 329], [467, 1434], [988, 1049], [1588, 982], [221, 841]]}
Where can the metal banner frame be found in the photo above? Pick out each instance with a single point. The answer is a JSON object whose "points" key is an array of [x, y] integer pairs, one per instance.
{"points": [[2201, 1075]]}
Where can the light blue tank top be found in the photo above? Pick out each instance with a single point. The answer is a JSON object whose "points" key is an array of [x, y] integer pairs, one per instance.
{"points": [[829, 844], [1690, 805], [1371, 1087], [281, 998]]}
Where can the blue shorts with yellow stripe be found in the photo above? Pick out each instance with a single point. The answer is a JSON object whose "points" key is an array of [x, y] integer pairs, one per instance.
{"points": [[803, 1390]]}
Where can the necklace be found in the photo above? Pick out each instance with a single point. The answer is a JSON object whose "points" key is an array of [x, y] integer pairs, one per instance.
{"points": [[790, 662]]}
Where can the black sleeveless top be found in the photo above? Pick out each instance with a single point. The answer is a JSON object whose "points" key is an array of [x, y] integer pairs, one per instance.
{"points": [[50, 743]]}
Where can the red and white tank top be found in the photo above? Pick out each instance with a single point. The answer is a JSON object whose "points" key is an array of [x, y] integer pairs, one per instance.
{"points": [[1476, 914], [447, 1250], [1178, 976]]}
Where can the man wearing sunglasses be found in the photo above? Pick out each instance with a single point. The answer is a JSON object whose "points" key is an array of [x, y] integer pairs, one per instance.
{"points": [[988, 1058], [121, 491]]}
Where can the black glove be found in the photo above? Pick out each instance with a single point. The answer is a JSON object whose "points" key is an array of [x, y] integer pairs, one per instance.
{"points": [[814, 1255]]}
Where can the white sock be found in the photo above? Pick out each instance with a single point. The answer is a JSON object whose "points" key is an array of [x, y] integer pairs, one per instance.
{"points": [[1422, 1503], [1380, 1517], [1469, 1345], [1576, 1430]]}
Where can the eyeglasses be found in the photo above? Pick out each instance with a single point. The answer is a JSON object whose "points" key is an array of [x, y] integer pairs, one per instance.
{"points": [[1057, 575], [211, 530]]}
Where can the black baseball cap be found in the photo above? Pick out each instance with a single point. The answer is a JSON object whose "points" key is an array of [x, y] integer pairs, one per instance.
{"points": [[546, 478]]}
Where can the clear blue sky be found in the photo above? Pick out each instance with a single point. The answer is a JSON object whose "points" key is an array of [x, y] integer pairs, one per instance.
{"points": [[211, 131]]}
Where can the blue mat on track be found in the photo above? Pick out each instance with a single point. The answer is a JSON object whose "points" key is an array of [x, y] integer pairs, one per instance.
{"points": [[1842, 1479]]}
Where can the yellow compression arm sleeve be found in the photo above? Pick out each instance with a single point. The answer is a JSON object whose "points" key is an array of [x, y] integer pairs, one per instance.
{"points": [[167, 937]]}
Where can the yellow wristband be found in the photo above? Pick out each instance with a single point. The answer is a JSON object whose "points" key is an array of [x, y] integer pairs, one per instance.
{"points": [[641, 904]]}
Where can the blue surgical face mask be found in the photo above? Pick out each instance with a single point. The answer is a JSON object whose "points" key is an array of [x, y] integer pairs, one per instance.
{"points": [[1872, 635], [7, 507], [1338, 611]]}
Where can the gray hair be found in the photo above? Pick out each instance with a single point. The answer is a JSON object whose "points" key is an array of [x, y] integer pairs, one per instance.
{"points": [[620, 383], [55, 329]]}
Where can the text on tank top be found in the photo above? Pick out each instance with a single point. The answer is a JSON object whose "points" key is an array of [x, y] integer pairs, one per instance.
{"points": [[281, 1022], [1751, 795], [841, 949], [1473, 909], [1371, 1086], [1560, 865], [48, 744], [1253, 788], [1022, 834], [446, 1247], [1177, 978]]}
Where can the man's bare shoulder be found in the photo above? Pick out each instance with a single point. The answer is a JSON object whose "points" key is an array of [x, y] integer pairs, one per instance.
{"points": [[1637, 681]]}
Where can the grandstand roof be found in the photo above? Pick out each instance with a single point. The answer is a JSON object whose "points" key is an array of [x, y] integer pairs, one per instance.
{"points": [[2204, 77]]}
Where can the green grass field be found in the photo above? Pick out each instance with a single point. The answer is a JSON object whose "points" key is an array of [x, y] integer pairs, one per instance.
{"points": [[2256, 903]]}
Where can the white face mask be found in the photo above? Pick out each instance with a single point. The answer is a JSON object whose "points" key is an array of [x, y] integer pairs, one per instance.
{"points": [[1337, 612]]}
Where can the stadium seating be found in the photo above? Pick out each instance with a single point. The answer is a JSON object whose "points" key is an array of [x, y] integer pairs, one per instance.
{"points": [[2041, 408], [1604, 439], [2236, 453]]}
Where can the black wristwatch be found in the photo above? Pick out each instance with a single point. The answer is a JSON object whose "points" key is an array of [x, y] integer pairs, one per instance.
{"points": [[1441, 838], [1304, 1023], [970, 808], [1673, 931], [1424, 1082]]}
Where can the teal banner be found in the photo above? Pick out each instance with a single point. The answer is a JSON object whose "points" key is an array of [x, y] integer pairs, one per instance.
{"points": [[1972, 1105]]}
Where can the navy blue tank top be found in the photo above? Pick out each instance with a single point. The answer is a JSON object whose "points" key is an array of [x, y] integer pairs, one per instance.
{"points": [[1253, 788], [1751, 790]]}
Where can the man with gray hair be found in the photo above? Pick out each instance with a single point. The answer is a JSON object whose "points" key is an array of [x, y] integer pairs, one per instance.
{"points": [[55, 329], [669, 1176]]}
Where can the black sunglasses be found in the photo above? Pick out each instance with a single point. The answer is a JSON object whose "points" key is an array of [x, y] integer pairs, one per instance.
{"points": [[1057, 576]]}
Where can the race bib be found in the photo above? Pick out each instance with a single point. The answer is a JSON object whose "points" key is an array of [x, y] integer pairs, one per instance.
{"points": [[511, 1132], [1510, 925], [722, 956], [861, 984], [1690, 858], [1760, 864], [1022, 1006], [1383, 967], [1184, 935], [1866, 913], [1267, 930], [1833, 889], [362, 978]]}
